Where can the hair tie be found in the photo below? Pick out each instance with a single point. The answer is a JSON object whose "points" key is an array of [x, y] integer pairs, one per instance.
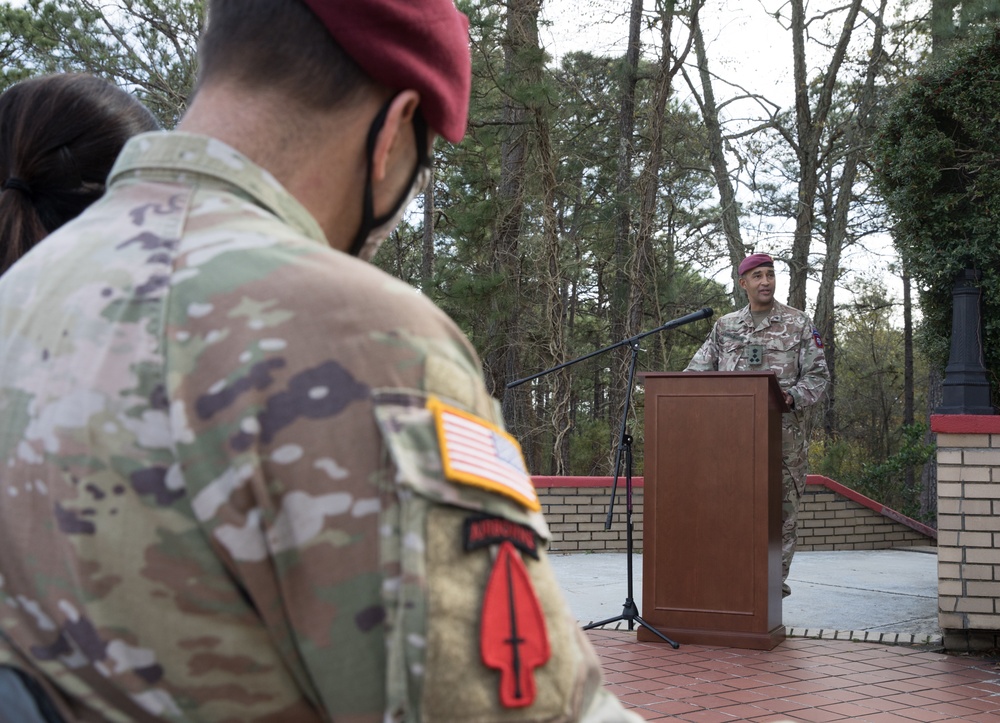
{"points": [[16, 184]]}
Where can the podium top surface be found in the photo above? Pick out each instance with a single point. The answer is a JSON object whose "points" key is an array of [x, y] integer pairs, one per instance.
{"points": [[773, 386]]}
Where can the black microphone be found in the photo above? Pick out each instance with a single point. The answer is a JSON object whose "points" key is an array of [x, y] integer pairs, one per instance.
{"points": [[693, 316]]}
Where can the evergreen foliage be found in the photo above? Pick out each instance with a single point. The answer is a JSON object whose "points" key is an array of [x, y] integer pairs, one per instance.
{"points": [[146, 46], [937, 165]]}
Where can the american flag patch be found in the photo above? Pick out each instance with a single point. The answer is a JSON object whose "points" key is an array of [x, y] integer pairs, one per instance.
{"points": [[480, 454]]}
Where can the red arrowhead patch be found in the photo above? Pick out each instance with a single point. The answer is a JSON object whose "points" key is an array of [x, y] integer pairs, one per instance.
{"points": [[513, 636]]}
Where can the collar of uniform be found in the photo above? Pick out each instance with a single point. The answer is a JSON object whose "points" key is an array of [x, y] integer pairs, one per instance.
{"points": [[747, 315], [172, 155]]}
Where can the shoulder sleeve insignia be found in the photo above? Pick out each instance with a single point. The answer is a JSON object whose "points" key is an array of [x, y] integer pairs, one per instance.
{"points": [[477, 453], [817, 338], [513, 635]]}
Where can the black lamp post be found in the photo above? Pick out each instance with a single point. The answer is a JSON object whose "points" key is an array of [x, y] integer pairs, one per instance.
{"points": [[966, 387]]}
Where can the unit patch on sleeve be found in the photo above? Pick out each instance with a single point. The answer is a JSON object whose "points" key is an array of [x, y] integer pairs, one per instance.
{"points": [[817, 338], [513, 637], [484, 530], [479, 454]]}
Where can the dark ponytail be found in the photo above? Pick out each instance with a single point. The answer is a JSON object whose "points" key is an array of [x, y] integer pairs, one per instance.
{"points": [[59, 138]]}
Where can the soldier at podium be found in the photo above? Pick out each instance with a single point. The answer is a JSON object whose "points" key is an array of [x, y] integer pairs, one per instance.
{"points": [[767, 335]]}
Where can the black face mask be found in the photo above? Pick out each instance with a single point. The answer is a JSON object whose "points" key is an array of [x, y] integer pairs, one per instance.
{"points": [[373, 231]]}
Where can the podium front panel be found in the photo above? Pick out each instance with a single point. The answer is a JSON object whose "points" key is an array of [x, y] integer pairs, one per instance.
{"points": [[712, 509], [703, 516]]}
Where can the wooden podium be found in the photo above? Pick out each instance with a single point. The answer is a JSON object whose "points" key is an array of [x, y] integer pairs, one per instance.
{"points": [[711, 571]]}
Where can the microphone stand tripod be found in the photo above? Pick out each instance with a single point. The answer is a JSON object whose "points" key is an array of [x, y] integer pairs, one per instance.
{"points": [[630, 611]]}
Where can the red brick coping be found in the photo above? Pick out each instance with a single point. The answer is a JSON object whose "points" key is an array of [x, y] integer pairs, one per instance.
{"points": [[965, 423], [813, 479], [546, 482]]}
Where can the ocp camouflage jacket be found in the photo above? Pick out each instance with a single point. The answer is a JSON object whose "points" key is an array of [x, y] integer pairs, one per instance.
{"points": [[789, 345], [226, 493]]}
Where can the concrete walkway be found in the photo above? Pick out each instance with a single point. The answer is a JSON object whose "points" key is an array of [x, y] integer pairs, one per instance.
{"points": [[877, 595]]}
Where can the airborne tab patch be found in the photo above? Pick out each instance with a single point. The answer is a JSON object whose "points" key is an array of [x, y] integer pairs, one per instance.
{"points": [[485, 530], [479, 454]]}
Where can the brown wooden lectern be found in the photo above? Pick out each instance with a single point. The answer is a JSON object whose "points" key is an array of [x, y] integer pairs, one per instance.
{"points": [[711, 571]]}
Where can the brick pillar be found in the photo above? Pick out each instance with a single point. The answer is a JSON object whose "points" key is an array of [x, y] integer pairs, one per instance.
{"points": [[968, 457]]}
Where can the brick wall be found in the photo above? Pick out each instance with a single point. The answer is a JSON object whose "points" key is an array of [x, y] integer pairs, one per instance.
{"points": [[968, 456], [833, 517], [576, 509]]}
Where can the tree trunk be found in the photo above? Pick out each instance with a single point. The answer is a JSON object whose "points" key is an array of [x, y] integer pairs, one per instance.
{"points": [[809, 124], [643, 271], [928, 479], [555, 304], [503, 363], [623, 223], [943, 28], [728, 207], [909, 481], [427, 247], [856, 135]]}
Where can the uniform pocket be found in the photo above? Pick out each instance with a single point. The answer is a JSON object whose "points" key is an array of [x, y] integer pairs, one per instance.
{"points": [[730, 356], [782, 344]]}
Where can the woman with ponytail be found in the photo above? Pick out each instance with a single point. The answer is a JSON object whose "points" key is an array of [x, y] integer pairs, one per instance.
{"points": [[59, 137]]}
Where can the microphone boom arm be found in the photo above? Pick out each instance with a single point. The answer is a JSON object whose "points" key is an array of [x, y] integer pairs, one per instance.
{"points": [[631, 341]]}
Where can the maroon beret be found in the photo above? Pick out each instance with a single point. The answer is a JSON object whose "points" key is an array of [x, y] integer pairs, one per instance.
{"points": [[409, 44], [753, 261]]}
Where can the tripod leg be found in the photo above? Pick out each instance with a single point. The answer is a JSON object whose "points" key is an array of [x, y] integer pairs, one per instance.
{"points": [[602, 623], [630, 614], [656, 632]]}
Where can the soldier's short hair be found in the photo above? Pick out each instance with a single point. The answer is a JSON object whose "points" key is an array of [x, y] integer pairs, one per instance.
{"points": [[278, 45]]}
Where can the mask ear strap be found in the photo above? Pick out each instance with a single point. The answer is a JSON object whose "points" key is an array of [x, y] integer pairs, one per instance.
{"points": [[367, 208], [420, 131], [368, 220]]}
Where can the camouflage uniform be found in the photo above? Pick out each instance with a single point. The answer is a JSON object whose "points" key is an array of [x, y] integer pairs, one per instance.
{"points": [[223, 489], [791, 347]]}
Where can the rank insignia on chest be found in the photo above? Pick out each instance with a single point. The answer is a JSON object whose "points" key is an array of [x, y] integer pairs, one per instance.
{"points": [[755, 355], [479, 454], [513, 637]]}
